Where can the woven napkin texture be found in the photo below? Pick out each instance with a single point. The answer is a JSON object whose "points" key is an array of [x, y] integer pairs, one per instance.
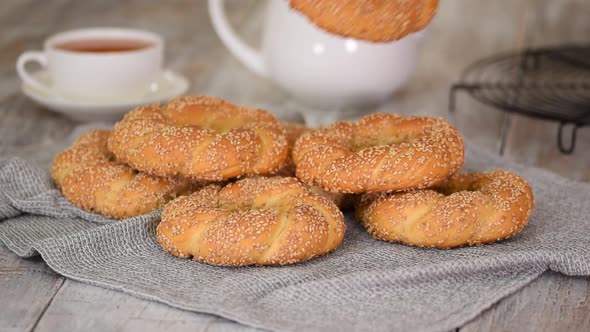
{"points": [[364, 285]]}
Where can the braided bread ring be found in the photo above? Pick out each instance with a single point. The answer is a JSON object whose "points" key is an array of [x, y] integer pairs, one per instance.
{"points": [[380, 152], [260, 221], [371, 20], [90, 178], [468, 209], [200, 137]]}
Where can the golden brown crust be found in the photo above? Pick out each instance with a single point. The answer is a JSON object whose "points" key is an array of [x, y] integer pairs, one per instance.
{"points": [[342, 201], [90, 178], [200, 137], [293, 131], [371, 20], [468, 209], [380, 152], [253, 221]]}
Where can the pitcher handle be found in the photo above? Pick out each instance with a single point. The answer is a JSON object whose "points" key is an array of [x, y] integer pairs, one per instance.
{"points": [[249, 56]]}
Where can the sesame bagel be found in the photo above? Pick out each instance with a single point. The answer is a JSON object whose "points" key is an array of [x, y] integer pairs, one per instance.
{"points": [[380, 152], [91, 178], [253, 221], [467, 209], [200, 137], [371, 20]]}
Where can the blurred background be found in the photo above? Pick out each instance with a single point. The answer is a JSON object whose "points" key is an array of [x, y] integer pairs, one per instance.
{"points": [[462, 32]]}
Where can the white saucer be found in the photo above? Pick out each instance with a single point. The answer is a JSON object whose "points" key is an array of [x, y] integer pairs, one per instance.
{"points": [[168, 85]]}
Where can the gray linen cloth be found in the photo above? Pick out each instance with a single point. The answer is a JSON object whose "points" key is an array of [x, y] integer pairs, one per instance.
{"points": [[364, 285]]}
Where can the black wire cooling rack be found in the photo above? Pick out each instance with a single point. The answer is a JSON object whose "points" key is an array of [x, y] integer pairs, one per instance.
{"points": [[546, 83]]}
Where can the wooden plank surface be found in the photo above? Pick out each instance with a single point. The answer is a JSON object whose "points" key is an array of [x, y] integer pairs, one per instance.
{"points": [[33, 297], [81, 307], [550, 303], [27, 286]]}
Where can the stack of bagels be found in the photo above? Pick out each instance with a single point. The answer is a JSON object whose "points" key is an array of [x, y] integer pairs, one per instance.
{"points": [[238, 187]]}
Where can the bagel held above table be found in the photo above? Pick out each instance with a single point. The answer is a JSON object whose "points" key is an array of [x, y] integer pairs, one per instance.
{"points": [[468, 209], [200, 137], [372, 20], [254, 221], [91, 179], [380, 152]]}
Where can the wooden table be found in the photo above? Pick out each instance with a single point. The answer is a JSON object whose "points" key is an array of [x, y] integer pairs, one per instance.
{"points": [[32, 297]]}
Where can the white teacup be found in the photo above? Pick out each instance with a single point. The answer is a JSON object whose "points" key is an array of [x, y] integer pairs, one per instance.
{"points": [[321, 69], [97, 63]]}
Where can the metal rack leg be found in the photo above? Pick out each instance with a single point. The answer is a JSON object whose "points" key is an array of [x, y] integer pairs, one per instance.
{"points": [[572, 144], [506, 123], [453, 92]]}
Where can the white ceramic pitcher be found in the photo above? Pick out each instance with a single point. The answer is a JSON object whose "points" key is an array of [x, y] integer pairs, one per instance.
{"points": [[320, 69]]}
